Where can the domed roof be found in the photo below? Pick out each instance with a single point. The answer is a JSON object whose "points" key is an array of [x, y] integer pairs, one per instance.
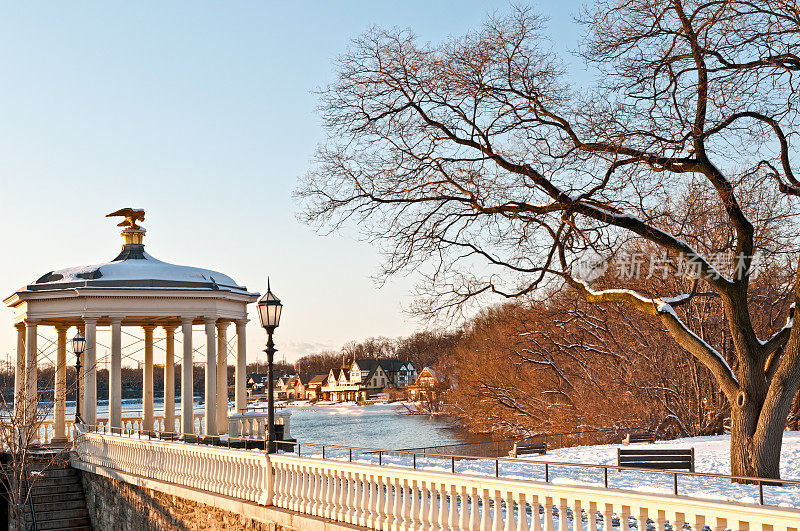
{"points": [[133, 268]]}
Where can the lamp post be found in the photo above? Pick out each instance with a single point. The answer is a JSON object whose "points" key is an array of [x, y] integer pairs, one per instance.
{"points": [[78, 347], [269, 311]]}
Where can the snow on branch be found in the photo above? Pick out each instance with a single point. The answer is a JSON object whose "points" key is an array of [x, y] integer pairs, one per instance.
{"points": [[663, 309]]}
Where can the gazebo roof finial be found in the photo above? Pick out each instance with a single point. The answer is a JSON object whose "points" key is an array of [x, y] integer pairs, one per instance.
{"points": [[132, 234], [131, 215]]}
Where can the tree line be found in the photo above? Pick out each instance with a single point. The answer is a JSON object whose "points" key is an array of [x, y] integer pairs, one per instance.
{"points": [[424, 348]]}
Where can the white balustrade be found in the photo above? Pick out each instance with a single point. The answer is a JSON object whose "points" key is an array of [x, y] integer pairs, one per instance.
{"points": [[253, 424], [199, 424], [240, 474], [47, 430], [390, 498], [47, 427]]}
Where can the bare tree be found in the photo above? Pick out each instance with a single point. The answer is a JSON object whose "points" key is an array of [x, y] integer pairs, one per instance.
{"points": [[311, 365], [372, 347], [21, 430], [427, 348], [476, 163], [562, 364]]}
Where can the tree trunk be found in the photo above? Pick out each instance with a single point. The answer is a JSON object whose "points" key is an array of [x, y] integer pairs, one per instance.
{"points": [[757, 434], [794, 416], [753, 453]]}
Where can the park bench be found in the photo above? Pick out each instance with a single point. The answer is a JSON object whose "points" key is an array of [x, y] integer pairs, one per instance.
{"points": [[662, 459], [640, 437], [528, 448]]}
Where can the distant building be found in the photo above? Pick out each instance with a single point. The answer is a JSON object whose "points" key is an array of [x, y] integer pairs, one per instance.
{"points": [[284, 386], [426, 385], [295, 388], [257, 384], [366, 378], [314, 387], [279, 387]]}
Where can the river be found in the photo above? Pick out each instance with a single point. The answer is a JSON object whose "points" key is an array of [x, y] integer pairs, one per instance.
{"points": [[385, 426], [373, 426]]}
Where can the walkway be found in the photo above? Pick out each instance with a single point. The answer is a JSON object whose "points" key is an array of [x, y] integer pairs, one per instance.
{"points": [[371, 496]]}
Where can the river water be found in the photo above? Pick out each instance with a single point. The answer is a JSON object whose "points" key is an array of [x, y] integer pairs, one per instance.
{"points": [[384, 426], [373, 426]]}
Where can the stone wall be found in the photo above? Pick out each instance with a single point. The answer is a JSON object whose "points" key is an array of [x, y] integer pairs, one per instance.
{"points": [[119, 506]]}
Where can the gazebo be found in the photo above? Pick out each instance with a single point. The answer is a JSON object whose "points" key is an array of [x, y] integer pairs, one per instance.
{"points": [[134, 290]]}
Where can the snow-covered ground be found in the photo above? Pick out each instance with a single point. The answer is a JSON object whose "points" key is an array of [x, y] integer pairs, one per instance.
{"points": [[712, 455]]}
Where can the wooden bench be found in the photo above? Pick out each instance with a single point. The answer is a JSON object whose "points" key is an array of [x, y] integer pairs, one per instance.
{"points": [[640, 437], [663, 459], [529, 448]]}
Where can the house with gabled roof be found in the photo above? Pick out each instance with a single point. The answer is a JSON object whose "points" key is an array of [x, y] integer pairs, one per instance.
{"points": [[400, 372], [367, 378], [279, 387], [426, 385], [257, 384], [369, 373], [315, 385], [295, 388]]}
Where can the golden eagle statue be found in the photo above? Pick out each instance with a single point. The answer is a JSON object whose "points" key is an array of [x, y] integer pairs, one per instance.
{"points": [[131, 215]]}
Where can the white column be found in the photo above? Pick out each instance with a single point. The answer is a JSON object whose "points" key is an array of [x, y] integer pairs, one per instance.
{"points": [[60, 391], [89, 402], [211, 376], [19, 371], [187, 391], [169, 380], [115, 378], [222, 376], [147, 379], [241, 366], [31, 373]]}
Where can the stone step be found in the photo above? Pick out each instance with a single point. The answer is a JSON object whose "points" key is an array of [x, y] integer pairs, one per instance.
{"points": [[60, 514], [46, 486], [61, 457], [61, 523], [50, 463], [58, 498], [56, 479], [58, 472], [52, 497], [59, 505]]}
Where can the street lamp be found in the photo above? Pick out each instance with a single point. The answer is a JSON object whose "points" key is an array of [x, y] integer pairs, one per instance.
{"points": [[78, 347], [269, 311]]}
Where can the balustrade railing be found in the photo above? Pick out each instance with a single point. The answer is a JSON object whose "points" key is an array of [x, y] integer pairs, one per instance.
{"points": [[47, 427], [238, 474], [399, 498], [254, 424], [388, 496], [136, 424]]}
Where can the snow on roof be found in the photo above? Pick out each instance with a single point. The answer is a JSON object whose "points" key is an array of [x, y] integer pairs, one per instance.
{"points": [[122, 273]]}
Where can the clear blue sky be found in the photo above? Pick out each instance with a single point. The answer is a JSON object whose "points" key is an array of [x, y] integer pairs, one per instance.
{"points": [[203, 114]]}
